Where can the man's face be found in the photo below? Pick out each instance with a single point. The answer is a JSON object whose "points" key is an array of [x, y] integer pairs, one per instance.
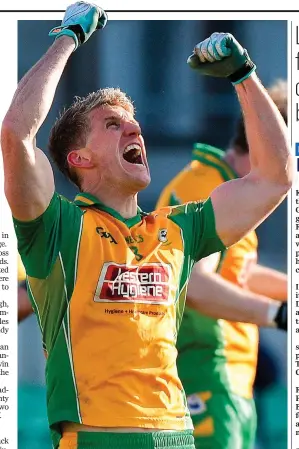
{"points": [[117, 148]]}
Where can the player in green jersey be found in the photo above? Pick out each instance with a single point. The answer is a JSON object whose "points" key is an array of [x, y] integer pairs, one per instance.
{"points": [[108, 282]]}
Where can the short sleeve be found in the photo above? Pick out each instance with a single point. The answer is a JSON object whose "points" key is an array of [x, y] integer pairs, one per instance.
{"points": [[197, 221], [40, 240]]}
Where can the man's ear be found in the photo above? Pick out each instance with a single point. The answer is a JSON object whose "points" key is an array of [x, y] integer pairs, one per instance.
{"points": [[80, 158]]}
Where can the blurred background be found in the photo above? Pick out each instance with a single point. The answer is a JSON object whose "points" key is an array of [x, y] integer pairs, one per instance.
{"points": [[175, 107]]}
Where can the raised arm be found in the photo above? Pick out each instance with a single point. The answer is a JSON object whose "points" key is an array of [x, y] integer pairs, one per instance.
{"points": [[241, 204], [29, 182]]}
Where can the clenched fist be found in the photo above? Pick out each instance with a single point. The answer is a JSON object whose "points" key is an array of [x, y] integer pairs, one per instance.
{"points": [[222, 56]]}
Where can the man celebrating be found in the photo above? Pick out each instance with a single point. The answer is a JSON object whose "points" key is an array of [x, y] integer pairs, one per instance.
{"points": [[107, 281], [228, 295]]}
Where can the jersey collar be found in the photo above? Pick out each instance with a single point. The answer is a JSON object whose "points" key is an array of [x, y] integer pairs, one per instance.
{"points": [[210, 155], [86, 199]]}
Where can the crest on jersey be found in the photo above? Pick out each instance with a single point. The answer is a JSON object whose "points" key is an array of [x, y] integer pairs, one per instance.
{"points": [[162, 235], [196, 405]]}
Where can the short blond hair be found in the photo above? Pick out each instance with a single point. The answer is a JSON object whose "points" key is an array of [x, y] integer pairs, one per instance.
{"points": [[72, 127]]}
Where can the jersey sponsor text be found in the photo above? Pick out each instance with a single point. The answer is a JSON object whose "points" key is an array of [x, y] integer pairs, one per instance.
{"points": [[148, 283]]}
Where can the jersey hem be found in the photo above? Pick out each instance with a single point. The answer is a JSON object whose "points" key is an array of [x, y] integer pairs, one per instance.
{"points": [[151, 423], [220, 390]]}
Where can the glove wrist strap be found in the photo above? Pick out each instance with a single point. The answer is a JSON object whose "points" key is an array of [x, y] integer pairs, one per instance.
{"points": [[74, 31], [244, 72], [77, 30]]}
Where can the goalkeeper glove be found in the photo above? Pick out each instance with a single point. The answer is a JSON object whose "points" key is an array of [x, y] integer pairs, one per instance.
{"points": [[80, 21], [222, 56]]}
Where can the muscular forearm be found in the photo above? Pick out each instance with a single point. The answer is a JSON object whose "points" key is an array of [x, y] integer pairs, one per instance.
{"points": [[34, 95], [210, 294], [269, 282], [266, 133]]}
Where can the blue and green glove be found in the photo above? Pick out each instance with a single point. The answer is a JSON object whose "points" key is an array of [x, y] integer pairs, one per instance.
{"points": [[80, 21], [222, 56]]}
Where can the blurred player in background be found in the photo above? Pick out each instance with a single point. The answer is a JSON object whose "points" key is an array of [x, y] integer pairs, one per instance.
{"points": [[107, 281], [218, 353], [24, 305]]}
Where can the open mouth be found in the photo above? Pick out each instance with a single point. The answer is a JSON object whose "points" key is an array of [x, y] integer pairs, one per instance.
{"points": [[133, 155]]}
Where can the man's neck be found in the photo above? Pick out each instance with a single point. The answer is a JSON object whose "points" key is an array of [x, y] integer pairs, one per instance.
{"points": [[124, 204]]}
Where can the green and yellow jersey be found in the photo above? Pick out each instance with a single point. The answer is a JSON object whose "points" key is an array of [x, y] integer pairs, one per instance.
{"points": [[215, 355], [109, 295]]}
